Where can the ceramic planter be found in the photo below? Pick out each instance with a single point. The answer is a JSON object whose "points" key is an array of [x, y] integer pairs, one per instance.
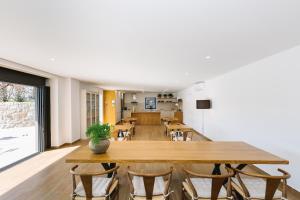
{"points": [[99, 148]]}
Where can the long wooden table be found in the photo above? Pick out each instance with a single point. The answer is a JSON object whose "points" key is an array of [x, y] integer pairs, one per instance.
{"points": [[176, 152]]}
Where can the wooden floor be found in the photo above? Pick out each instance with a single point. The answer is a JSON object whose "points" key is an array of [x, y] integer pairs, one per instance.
{"points": [[54, 181]]}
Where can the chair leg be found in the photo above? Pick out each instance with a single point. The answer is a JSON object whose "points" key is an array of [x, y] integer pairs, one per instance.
{"points": [[182, 194], [237, 196], [118, 191]]}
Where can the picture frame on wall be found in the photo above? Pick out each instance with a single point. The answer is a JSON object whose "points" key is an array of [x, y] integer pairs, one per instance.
{"points": [[150, 103]]}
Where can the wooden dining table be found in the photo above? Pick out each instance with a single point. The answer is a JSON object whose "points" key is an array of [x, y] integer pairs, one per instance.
{"points": [[177, 127], [122, 127], [169, 119], [130, 119], [178, 152]]}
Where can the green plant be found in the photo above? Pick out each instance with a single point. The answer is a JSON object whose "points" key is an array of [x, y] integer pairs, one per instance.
{"points": [[97, 132]]}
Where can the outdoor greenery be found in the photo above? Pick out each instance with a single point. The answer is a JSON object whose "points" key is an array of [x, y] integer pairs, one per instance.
{"points": [[10, 92], [97, 132]]}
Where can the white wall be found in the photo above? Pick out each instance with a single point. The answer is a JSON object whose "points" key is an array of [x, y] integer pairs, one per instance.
{"points": [[259, 104], [73, 100], [65, 110]]}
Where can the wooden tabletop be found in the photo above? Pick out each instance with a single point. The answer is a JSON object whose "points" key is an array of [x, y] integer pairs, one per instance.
{"points": [[169, 119], [123, 127], [176, 152], [178, 127], [130, 119]]}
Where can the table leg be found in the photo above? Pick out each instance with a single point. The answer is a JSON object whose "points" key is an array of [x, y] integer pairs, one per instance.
{"points": [[217, 170], [108, 166]]}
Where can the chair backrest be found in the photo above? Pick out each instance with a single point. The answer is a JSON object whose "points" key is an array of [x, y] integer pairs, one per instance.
{"points": [[87, 180], [187, 134], [272, 182], [149, 180], [217, 182]]}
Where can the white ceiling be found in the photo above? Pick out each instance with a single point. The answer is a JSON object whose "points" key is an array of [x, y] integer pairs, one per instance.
{"points": [[151, 45]]}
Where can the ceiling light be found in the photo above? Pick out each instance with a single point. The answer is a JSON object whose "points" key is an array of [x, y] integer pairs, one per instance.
{"points": [[186, 73], [52, 59], [207, 57]]}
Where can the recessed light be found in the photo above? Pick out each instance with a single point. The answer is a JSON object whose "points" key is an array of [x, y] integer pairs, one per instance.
{"points": [[207, 57], [52, 59]]}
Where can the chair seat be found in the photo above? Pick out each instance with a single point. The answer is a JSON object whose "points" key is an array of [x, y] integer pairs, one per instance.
{"points": [[180, 138], [139, 187], [158, 197], [203, 187], [255, 186], [99, 187], [84, 198]]}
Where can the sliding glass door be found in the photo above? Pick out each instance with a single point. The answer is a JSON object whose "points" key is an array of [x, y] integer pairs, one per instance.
{"points": [[18, 122]]}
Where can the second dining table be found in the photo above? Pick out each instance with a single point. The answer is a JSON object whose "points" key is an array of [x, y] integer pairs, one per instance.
{"points": [[177, 127]]}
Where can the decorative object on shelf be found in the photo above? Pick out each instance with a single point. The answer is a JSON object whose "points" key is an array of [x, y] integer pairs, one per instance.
{"points": [[134, 102], [159, 96], [170, 95], [165, 95], [150, 102], [99, 135]]}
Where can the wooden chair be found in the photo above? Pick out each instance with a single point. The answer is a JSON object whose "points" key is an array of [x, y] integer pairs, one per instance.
{"points": [[184, 136], [150, 186], [210, 187], [175, 137], [257, 186], [95, 186]]}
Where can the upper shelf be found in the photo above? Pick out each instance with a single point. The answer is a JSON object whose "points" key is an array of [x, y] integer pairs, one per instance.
{"points": [[166, 98]]}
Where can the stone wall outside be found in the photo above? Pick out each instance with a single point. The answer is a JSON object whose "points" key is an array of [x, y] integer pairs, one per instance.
{"points": [[17, 114]]}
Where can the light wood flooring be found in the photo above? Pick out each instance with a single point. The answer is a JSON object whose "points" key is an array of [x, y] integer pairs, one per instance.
{"points": [[53, 182]]}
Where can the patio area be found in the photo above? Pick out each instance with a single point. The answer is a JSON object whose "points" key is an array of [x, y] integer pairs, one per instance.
{"points": [[16, 144]]}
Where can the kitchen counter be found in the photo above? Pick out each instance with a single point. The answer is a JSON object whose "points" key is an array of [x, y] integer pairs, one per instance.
{"points": [[147, 118]]}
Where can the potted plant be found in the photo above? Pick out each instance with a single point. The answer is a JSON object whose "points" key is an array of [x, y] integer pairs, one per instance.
{"points": [[165, 95], [159, 96], [99, 135], [170, 95]]}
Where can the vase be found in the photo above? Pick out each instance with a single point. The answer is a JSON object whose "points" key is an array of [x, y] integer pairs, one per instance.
{"points": [[99, 148]]}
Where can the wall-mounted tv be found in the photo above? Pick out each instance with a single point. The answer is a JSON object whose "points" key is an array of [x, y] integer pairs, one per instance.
{"points": [[203, 104]]}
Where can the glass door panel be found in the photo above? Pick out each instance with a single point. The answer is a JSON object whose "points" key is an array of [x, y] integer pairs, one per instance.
{"points": [[88, 110], [18, 124], [93, 108], [97, 109]]}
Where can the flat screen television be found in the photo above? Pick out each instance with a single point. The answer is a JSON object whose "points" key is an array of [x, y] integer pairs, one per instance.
{"points": [[203, 104]]}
